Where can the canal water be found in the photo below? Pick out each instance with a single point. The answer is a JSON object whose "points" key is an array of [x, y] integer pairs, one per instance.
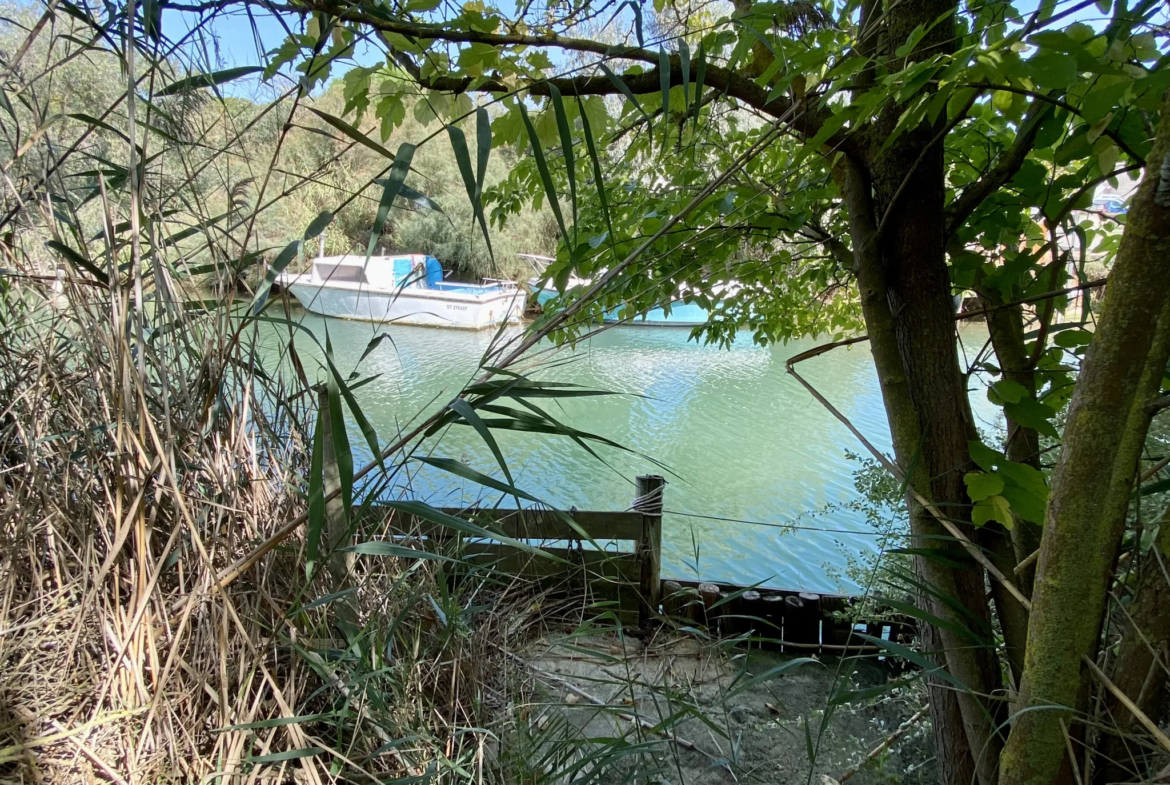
{"points": [[759, 482]]}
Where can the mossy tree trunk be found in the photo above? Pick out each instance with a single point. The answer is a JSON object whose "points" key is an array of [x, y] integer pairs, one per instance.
{"points": [[1092, 483]]}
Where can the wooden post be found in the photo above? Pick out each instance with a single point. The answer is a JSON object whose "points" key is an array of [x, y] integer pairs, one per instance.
{"points": [[802, 620], [710, 595], [649, 488]]}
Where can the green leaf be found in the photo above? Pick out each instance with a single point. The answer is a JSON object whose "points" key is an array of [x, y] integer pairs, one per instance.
{"points": [[908, 654], [470, 183], [980, 485], [1033, 414], [384, 548], [1006, 391], [325, 600], [985, 458], [277, 757], [1156, 487], [342, 453], [316, 521], [550, 190], [318, 225], [664, 85], [993, 508], [352, 132], [684, 61], [598, 177], [212, 79], [78, 261], [1070, 339], [336, 379], [768, 675], [566, 146], [467, 473], [700, 78], [439, 518], [276, 268], [1054, 70], [913, 610], [624, 89], [464, 410], [394, 183], [278, 722], [483, 147]]}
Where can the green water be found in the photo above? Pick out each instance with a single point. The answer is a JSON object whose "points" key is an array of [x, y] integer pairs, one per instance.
{"points": [[751, 452]]}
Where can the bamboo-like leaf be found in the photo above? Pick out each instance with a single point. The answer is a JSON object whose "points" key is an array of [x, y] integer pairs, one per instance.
{"points": [[466, 472], [351, 132], [470, 184], [413, 195], [346, 392], [95, 122], [78, 261], [684, 62], [431, 515], [550, 190], [373, 344], [866, 693], [908, 654], [342, 453], [277, 757], [384, 548], [316, 522], [566, 146], [637, 8], [483, 147], [394, 183], [768, 675], [328, 598], [912, 610], [319, 224], [700, 78], [190, 231], [664, 84], [598, 178], [279, 722], [282, 261], [212, 79], [464, 410], [624, 89]]}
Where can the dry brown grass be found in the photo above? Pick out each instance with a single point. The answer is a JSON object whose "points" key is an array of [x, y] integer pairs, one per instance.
{"points": [[123, 493]]}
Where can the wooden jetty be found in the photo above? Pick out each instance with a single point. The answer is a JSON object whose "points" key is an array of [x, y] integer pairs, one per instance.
{"points": [[615, 557]]}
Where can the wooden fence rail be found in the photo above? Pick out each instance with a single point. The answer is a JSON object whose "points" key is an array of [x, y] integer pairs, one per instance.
{"points": [[616, 558]]}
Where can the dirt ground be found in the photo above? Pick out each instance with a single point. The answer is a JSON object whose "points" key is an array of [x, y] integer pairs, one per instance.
{"points": [[690, 712]]}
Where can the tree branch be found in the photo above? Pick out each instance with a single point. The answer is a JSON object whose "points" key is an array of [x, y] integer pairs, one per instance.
{"points": [[806, 120], [1009, 163]]}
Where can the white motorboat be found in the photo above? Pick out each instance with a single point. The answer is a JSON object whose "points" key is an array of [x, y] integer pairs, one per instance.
{"points": [[405, 289]]}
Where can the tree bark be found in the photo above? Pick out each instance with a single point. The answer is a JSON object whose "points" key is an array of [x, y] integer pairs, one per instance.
{"points": [[1090, 487], [1005, 326], [923, 444]]}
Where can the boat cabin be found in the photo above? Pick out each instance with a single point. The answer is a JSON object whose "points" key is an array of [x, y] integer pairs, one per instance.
{"points": [[413, 271]]}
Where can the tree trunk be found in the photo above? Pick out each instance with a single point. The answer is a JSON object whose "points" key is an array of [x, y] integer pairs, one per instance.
{"points": [[926, 413], [1091, 485], [1006, 329]]}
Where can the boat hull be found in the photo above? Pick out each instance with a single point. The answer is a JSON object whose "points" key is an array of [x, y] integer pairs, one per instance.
{"points": [[417, 307]]}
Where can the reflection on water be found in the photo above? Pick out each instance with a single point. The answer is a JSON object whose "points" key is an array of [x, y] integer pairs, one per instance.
{"points": [[745, 440]]}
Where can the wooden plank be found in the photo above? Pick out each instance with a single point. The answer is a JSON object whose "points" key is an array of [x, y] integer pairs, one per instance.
{"points": [[597, 566], [526, 524]]}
